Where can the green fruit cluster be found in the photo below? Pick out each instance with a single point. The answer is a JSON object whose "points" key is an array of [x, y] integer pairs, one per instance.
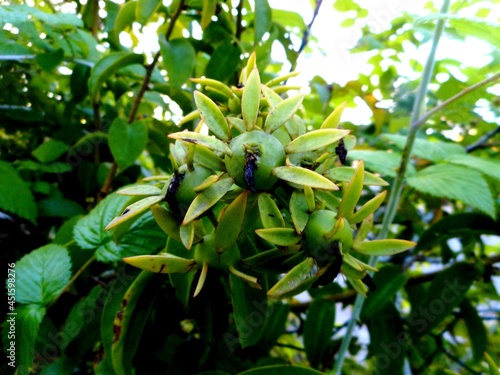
{"points": [[255, 193]]}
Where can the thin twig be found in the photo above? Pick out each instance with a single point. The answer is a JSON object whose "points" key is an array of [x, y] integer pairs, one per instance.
{"points": [[106, 187], [239, 19], [73, 279], [481, 142]]}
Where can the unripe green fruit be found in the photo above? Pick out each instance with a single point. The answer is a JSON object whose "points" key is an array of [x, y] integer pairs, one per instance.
{"points": [[268, 153], [205, 252], [319, 224], [186, 194]]}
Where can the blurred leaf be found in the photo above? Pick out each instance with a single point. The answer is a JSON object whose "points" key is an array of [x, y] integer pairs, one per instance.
{"points": [[15, 195], [489, 167], [179, 58], [224, 61], [209, 7], [345, 174], [50, 60], [145, 9], [493, 367], [27, 324], [445, 293], [383, 162], [42, 274], [250, 311], [431, 150], [49, 151], [281, 370], [107, 66], [59, 207], [262, 19], [383, 247], [389, 280], [127, 141], [455, 182], [318, 330], [126, 16], [475, 328], [457, 225]]}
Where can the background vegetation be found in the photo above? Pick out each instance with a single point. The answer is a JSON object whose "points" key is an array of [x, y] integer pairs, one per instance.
{"points": [[72, 72]]}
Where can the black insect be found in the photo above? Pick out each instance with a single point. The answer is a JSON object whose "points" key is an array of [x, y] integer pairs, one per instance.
{"points": [[335, 260], [249, 171], [368, 281], [341, 151], [171, 191]]}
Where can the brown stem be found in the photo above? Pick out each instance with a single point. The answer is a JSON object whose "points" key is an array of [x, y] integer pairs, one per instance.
{"points": [[481, 142], [106, 187], [95, 19], [239, 18]]}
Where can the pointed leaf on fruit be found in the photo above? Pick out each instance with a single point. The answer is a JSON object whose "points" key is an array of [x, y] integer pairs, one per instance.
{"points": [[162, 263], [270, 214], [333, 120], [214, 84], [298, 279], [279, 236], [352, 192], [201, 280], [134, 210], [207, 198], [251, 99], [212, 116], [202, 139], [166, 222], [186, 233], [299, 210], [305, 177], [368, 208], [345, 174], [383, 247], [282, 112], [140, 190], [315, 139], [229, 226]]}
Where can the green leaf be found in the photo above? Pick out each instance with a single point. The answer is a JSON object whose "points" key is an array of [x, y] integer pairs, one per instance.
{"points": [[303, 176], [59, 207], [493, 367], [202, 139], [15, 195], [179, 58], [250, 99], [455, 182], [27, 324], [134, 209], [162, 263], [247, 302], [270, 214], [279, 236], [469, 26], [383, 247], [207, 198], [351, 192], [367, 209], [315, 139], [427, 149], [333, 120], [457, 225], [299, 210], [230, 222], [107, 66], [50, 60], [282, 112], [140, 190], [209, 7], [42, 274], [145, 9], [345, 174], [49, 151], [281, 370], [186, 233], [224, 61], [126, 16], [475, 328], [212, 116], [127, 141], [166, 221], [207, 158], [318, 330], [129, 322], [383, 162], [489, 167], [389, 280], [295, 281], [445, 293], [262, 19]]}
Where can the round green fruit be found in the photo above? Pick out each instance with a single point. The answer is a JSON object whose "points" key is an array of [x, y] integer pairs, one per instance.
{"points": [[185, 193], [254, 155], [319, 224], [205, 252]]}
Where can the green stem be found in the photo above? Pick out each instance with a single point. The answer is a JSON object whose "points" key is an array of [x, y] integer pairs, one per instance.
{"points": [[398, 181]]}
